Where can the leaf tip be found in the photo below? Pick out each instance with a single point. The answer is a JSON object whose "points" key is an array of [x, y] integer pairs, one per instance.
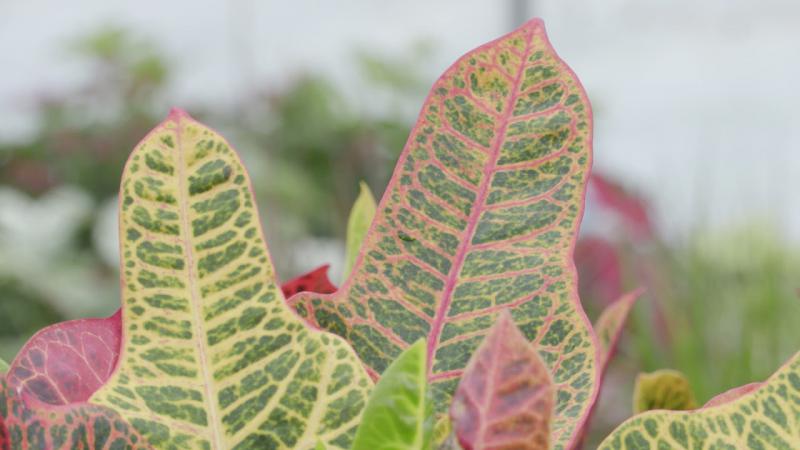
{"points": [[176, 114]]}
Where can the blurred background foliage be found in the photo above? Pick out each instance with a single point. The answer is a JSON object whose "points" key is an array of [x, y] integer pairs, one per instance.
{"points": [[720, 306]]}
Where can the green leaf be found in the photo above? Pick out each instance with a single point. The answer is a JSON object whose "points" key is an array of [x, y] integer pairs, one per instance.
{"points": [[506, 396], [763, 416], [481, 215], [3, 366], [609, 325], [320, 446], [663, 389], [398, 414], [211, 356], [358, 224]]}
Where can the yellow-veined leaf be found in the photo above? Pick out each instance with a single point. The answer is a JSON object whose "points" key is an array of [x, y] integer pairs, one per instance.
{"points": [[767, 417], [663, 389], [398, 414], [358, 224], [211, 356], [480, 216]]}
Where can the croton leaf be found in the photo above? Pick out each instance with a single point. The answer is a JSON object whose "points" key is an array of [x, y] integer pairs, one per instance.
{"points": [[767, 417], [361, 216], [315, 281], [74, 427], [67, 362], [398, 414], [506, 397], [480, 216], [610, 324], [732, 394], [211, 356], [663, 389]]}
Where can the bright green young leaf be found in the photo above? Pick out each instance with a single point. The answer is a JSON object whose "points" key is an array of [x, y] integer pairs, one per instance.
{"points": [[663, 389], [358, 224], [211, 356], [3, 366], [320, 446], [481, 215], [398, 414], [766, 417]]}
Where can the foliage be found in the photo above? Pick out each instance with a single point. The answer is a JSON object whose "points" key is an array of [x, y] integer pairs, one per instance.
{"points": [[462, 298], [398, 414], [506, 396], [491, 176], [663, 389], [358, 224]]}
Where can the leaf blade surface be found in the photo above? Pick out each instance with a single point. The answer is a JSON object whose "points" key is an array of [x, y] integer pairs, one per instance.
{"points": [[212, 358], [480, 216], [506, 396]]}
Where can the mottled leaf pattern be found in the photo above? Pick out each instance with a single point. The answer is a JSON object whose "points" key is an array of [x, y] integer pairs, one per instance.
{"points": [[212, 358], [610, 324], [82, 426], [67, 362], [361, 216], [765, 418], [398, 414], [663, 389], [480, 216], [506, 397], [315, 281]]}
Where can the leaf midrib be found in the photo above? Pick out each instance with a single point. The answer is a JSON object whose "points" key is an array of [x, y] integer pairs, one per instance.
{"points": [[196, 298], [472, 223]]}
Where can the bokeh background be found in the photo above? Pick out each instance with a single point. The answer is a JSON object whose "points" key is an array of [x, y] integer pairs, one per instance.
{"points": [[697, 159]]}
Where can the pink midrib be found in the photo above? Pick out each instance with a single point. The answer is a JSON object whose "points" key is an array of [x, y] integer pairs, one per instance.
{"points": [[472, 223]]}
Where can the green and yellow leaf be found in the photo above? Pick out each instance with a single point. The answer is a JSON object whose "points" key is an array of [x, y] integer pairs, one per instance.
{"points": [[398, 414], [211, 357], [358, 224], [663, 389], [767, 417], [481, 216]]}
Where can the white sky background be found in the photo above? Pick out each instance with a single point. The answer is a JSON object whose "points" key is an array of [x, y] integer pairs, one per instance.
{"points": [[695, 100]]}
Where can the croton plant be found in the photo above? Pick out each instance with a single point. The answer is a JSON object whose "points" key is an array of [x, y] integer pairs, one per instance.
{"points": [[458, 325]]}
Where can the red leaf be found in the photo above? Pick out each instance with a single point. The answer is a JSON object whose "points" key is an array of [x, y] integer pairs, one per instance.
{"points": [[67, 362], [505, 398], [599, 270], [631, 209], [314, 281]]}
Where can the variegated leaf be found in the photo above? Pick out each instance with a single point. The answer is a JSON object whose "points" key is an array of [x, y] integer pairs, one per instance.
{"points": [[480, 216], [506, 398], [663, 389], [398, 414], [767, 417], [67, 362], [212, 358], [82, 426], [358, 223]]}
